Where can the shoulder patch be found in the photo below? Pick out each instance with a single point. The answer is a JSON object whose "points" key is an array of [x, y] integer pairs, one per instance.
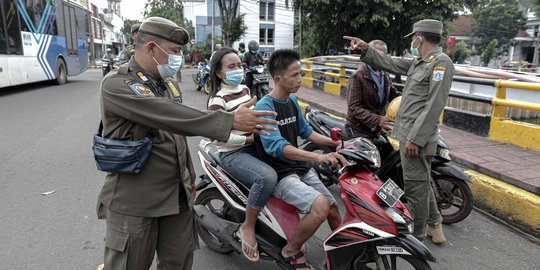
{"points": [[438, 73], [139, 89]]}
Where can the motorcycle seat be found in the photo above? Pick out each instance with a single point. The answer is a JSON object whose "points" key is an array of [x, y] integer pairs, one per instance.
{"points": [[327, 120], [214, 153]]}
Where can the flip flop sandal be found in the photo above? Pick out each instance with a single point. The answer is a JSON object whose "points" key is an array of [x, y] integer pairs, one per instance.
{"points": [[292, 260], [246, 245]]}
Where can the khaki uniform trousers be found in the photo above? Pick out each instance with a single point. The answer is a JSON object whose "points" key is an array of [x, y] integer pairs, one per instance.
{"points": [[418, 191], [131, 242]]}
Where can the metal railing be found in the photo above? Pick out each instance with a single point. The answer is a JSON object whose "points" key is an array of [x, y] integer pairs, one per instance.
{"points": [[500, 103]]}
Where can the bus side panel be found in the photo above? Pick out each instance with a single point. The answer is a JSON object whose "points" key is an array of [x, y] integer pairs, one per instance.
{"points": [[34, 65], [56, 50], [83, 54]]}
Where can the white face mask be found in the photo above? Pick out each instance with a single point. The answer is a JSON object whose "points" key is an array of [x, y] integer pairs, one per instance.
{"points": [[414, 51], [173, 65]]}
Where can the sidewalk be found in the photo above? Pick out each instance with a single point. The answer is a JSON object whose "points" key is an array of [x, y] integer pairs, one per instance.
{"points": [[505, 178]]}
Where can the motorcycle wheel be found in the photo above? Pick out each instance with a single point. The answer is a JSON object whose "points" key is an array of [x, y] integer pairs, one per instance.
{"points": [[207, 87], [215, 202], [365, 260], [455, 201], [327, 178], [262, 91]]}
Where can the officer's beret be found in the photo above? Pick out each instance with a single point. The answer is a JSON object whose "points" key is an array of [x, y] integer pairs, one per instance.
{"points": [[427, 26], [135, 27], [165, 29]]}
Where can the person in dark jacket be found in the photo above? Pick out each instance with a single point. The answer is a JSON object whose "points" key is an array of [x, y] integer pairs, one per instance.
{"points": [[369, 91]]}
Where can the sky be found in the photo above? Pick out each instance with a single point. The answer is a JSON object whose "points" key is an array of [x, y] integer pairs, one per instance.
{"points": [[132, 9]]}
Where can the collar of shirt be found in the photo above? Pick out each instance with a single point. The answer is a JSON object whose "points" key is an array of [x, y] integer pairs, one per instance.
{"points": [[379, 82]]}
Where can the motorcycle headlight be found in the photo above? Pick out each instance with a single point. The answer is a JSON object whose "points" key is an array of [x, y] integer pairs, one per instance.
{"points": [[445, 153], [403, 225]]}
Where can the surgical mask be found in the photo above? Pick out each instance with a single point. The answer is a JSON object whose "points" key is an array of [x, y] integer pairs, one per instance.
{"points": [[414, 50], [173, 65], [234, 77]]}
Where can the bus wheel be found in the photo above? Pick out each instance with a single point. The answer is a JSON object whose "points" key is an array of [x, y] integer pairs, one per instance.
{"points": [[61, 72]]}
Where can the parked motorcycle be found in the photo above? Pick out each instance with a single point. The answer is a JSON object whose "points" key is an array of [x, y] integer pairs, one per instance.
{"points": [[449, 182], [375, 233], [202, 77], [261, 77]]}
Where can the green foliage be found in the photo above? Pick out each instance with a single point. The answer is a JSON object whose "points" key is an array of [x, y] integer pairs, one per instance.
{"points": [[388, 20], [461, 52], [169, 9], [498, 19], [536, 6], [126, 29], [491, 51], [235, 29], [232, 26]]}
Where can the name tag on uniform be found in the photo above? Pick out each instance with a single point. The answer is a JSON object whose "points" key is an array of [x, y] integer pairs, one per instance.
{"points": [[438, 73]]}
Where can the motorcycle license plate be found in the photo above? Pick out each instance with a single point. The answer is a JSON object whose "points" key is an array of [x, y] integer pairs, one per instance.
{"points": [[390, 193]]}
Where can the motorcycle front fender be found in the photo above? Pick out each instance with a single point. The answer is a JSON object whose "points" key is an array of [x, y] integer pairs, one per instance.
{"points": [[410, 244], [450, 169]]}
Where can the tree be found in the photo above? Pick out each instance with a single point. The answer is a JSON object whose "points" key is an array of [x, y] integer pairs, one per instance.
{"points": [[169, 9], [232, 26], [497, 19], [126, 29], [461, 52], [387, 20], [490, 52]]}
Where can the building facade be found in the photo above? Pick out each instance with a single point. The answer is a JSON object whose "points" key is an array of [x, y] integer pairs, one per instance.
{"points": [[269, 22]]}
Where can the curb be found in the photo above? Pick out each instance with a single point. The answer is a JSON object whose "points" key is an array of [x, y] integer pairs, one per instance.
{"points": [[512, 204]]}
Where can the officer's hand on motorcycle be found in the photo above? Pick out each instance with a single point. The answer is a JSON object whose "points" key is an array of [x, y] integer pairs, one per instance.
{"points": [[385, 123], [248, 120], [356, 43], [411, 150]]}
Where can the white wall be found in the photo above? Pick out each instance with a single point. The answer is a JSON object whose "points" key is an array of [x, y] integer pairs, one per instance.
{"points": [[283, 24]]}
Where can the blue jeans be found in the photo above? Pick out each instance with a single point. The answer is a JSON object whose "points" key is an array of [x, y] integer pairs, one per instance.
{"points": [[244, 165]]}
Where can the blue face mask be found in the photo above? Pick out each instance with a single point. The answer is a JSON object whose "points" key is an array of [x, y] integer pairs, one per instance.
{"points": [[414, 51], [168, 70], [234, 77]]}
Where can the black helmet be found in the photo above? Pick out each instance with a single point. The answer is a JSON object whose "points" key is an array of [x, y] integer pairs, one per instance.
{"points": [[253, 46], [363, 152], [242, 45]]}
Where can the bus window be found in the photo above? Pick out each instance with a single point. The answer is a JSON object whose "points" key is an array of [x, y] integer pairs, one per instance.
{"points": [[3, 33], [35, 9], [13, 28]]}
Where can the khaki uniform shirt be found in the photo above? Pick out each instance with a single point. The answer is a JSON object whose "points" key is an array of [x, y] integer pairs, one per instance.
{"points": [[132, 102], [126, 54], [424, 95]]}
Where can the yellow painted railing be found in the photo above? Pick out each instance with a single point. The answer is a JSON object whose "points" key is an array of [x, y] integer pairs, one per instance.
{"points": [[342, 75], [506, 130]]}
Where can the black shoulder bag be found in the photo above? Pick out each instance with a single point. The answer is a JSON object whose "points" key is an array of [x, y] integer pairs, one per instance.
{"points": [[119, 156]]}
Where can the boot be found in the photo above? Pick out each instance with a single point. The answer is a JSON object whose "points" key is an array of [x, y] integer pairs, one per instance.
{"points": [[436, 233]]}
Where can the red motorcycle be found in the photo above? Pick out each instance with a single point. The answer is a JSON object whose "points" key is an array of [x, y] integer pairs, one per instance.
{"points": [[376, 228]]}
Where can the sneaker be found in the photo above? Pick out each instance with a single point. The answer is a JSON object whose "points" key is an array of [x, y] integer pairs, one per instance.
{"points": [[436, 233]]}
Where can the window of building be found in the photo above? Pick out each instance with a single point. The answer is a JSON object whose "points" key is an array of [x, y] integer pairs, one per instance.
{"points": [[266, 36], [266, 11]]}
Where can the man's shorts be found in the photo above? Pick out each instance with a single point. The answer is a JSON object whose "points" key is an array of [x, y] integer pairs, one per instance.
{"points": [[301, 191]]}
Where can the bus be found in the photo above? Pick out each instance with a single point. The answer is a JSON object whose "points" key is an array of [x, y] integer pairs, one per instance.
{"points": [[42, 40]]}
